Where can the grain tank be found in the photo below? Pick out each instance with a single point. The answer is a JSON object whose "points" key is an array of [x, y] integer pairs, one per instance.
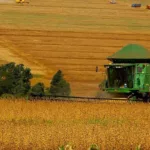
{"points": [[129, 72]]}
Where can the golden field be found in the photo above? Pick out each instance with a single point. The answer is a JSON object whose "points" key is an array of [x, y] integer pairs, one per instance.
{"points": [[74, 36], [48, 125]]}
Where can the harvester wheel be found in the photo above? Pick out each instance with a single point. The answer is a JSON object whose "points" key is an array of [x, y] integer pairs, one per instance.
{"points": [[146, 97]]}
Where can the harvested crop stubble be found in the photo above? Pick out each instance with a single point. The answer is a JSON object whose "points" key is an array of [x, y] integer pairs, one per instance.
{"points": [[75, 36]]}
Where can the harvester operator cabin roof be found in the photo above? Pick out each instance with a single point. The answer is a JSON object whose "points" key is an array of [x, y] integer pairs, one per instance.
{"points": [[131, 52]]}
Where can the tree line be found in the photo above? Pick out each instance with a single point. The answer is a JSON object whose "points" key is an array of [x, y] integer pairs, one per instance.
{"points": [[15, 81]]}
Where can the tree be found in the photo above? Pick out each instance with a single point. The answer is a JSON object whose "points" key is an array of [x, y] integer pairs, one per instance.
{"points": [[37, 90], [14, 79], [59, 86]]}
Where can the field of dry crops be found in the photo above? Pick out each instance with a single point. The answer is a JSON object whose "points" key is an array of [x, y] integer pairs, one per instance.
{"points": [[48, 125], [74, 36]]}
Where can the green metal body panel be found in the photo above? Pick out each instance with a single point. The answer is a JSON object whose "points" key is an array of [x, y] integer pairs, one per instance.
{"points": [[131, 52], [139, 78], [120, 90]]}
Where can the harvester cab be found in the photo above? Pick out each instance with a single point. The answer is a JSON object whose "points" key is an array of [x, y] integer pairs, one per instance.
{"points": [[120, 75], [129, 72]]}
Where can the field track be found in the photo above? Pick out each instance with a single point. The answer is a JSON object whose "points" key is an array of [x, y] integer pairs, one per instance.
{"points": [[72, 36]]}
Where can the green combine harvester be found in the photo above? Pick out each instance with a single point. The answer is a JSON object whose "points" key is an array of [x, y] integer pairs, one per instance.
{"points": [[129, 73]]}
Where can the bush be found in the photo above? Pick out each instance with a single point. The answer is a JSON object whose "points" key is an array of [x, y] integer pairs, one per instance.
{"points": [[93, 147], [8, 96], [37, 90], [47, 93], [66, 147], [14, 79], [59, 86]]}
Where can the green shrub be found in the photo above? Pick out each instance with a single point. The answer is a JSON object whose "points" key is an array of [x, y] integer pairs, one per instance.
{"points": [[37, 90], [59, 86], [8, 96], [138, 147], [94, 147], [66, 147], [14, 79]]}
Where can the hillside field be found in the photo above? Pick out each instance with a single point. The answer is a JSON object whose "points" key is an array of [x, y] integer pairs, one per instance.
{"points": [[74, 36]]}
